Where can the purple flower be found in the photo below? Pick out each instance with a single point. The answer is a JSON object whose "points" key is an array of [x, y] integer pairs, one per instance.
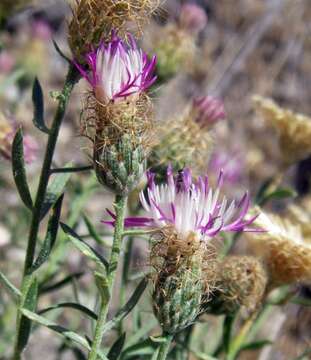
{"points": [[119, 70], [191, 207], [7, 133], [232, 164], [209, 110], [192, 18]]}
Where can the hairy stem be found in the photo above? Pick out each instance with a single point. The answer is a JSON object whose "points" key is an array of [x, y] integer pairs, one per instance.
{"points": [[71, 80], [164, 347], [120, 205]]}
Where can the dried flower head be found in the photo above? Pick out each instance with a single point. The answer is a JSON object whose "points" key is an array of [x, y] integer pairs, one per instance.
{"points": [[241, 282], [294, 129], [93, 21], [192, 18], [286, 253], [301, 214]]}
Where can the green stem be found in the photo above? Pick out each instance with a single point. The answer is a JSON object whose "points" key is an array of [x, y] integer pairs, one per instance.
{"points": [[164, 347], [120, 205], [71, 80]]}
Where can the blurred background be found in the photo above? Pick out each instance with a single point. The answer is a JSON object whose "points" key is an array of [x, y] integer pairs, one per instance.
{"points": [[247, 47]]}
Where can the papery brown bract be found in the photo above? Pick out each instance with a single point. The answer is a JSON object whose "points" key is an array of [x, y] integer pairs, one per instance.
{"points": [[93, 21]]}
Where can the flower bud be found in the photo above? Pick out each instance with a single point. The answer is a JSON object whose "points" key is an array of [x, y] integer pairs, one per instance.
{"points": [[177, 297], [241, 282], [121, 165], [207, 110], [192, 18], [182, 142]]}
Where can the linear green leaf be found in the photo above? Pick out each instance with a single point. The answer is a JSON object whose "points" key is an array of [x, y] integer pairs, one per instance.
{"points": [[59, 284], [85, 248], [71, 335], [255, 345], [19, 172], [28, 302], [6, 283], [68, 334], [116, 348], [50, 236], [128, 307], [38, 104], [70, 305], [91, 229], [55, 189]]}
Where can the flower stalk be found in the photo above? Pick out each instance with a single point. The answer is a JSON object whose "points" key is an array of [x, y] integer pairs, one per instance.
{"points": [[72, 78], [120, 206], [164, 347]]}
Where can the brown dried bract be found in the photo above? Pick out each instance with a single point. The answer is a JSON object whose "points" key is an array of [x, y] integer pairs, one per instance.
{"points": [[105, 124], [93, 21]]}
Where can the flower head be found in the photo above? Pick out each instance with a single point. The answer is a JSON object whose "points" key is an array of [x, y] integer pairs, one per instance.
{"points": [[191, 207], [192, 18], [284, 249], [231, 163], [7, 133], [119, 70], [208, 110]]}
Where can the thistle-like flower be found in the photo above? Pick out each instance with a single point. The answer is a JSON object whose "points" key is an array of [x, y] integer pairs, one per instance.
{"points": [[119, 70], [118, 116], [285, 251], [192, 207], [208, 110]]}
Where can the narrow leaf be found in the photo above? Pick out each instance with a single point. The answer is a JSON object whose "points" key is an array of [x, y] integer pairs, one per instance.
{"points": [[116, 349], [18, 166], [71, 335], [228, 324], [6, 283], [38, 104], [280, 193], [59, 284], [70, 305], [255, 345], [145, 347], [29, 302], [85, 248], [128, 307], [54, 191], [59, 51], [50, 236], [91, 229]]}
